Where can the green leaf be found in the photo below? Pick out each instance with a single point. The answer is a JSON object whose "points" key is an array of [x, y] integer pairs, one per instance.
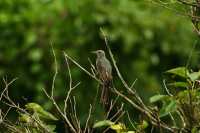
{"points": [[118, 127], [51, 128], [43, 114], [33, 107], [167, 108], [131, 132], [195, 130], [194, 76], [46, 116], [183, 94], [143, 125], [171, 106], [178, 84], [24, 118], [156, 98], [103, 123], [179, 71]]}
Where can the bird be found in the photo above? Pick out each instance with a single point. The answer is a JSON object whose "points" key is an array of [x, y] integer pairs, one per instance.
{"points": [[104, 71]]}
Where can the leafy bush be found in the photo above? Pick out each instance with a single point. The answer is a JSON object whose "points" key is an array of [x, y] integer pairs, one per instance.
{"points": [[175, 111], [29, 27], [148, 39]]}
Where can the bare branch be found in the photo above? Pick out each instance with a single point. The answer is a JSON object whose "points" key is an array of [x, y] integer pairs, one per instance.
{"points": [[63, 114], [70, 86], [87, 72], [56, 72], [112, 104], [6, 86], [132, 124], [133, 91], [87, 121], [167, 90]]}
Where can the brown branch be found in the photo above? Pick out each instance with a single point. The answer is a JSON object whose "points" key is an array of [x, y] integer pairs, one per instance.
{"points": [[142, 108], [63, 114], [82, 68], [188, 3], [133, 91], [87, 121]]}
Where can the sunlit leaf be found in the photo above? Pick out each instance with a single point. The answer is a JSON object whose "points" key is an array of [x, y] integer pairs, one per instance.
{"points": [[43, 114], [103, 123], [25, 118], [179, 71], [156, 98], [131, 132], [33, 107], [119, 126], [194, 76]]}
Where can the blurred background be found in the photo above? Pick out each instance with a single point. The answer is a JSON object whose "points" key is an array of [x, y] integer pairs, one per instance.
{"points": [[146, 40]]}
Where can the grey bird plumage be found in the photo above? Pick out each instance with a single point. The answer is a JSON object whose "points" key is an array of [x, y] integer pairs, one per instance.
{"points": [[104, 70]]}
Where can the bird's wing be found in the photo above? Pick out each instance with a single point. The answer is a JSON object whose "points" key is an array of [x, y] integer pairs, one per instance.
{"points": [[104, 70]]}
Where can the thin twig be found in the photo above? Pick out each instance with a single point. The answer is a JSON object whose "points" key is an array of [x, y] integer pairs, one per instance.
{"points": [[88, 118], [70, 87], [132, 124], [52, 93], [75, 115], [112, 104], [133, 83], [93, 69], [154, 120], [133, 91], [114, 121], [59, 110], [118, 112], [56, 72], [6, 86], [167, 90], [87, 72]]}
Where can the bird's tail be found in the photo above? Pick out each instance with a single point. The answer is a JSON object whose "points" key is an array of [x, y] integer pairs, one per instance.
{"points": [[105, 94]]}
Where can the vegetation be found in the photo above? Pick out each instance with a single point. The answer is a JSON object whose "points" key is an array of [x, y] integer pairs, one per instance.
{"points": [[142, 46]]}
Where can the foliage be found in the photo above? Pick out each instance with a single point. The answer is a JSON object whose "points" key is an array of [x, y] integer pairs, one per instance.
{"points": [[148, 39], [118, 127], [185, 101], [181, 107], [37, 121], [28, 28]]}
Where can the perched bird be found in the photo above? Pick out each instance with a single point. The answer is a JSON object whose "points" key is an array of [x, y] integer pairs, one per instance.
{"points": [[104, 70]]}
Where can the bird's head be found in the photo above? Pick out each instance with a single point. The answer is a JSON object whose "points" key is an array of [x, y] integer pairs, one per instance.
{"points": [[99, 53]]}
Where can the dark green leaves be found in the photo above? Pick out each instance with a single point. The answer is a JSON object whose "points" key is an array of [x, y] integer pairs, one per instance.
{"points": [[168, 104], [168, 107], [181, 77], [184, 73]]}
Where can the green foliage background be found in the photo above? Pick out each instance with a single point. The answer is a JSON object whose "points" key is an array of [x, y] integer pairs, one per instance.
{"points": [[146, 40]]}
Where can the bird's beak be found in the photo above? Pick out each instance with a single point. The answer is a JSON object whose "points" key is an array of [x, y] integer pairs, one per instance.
{"points": [[94, 52]]}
